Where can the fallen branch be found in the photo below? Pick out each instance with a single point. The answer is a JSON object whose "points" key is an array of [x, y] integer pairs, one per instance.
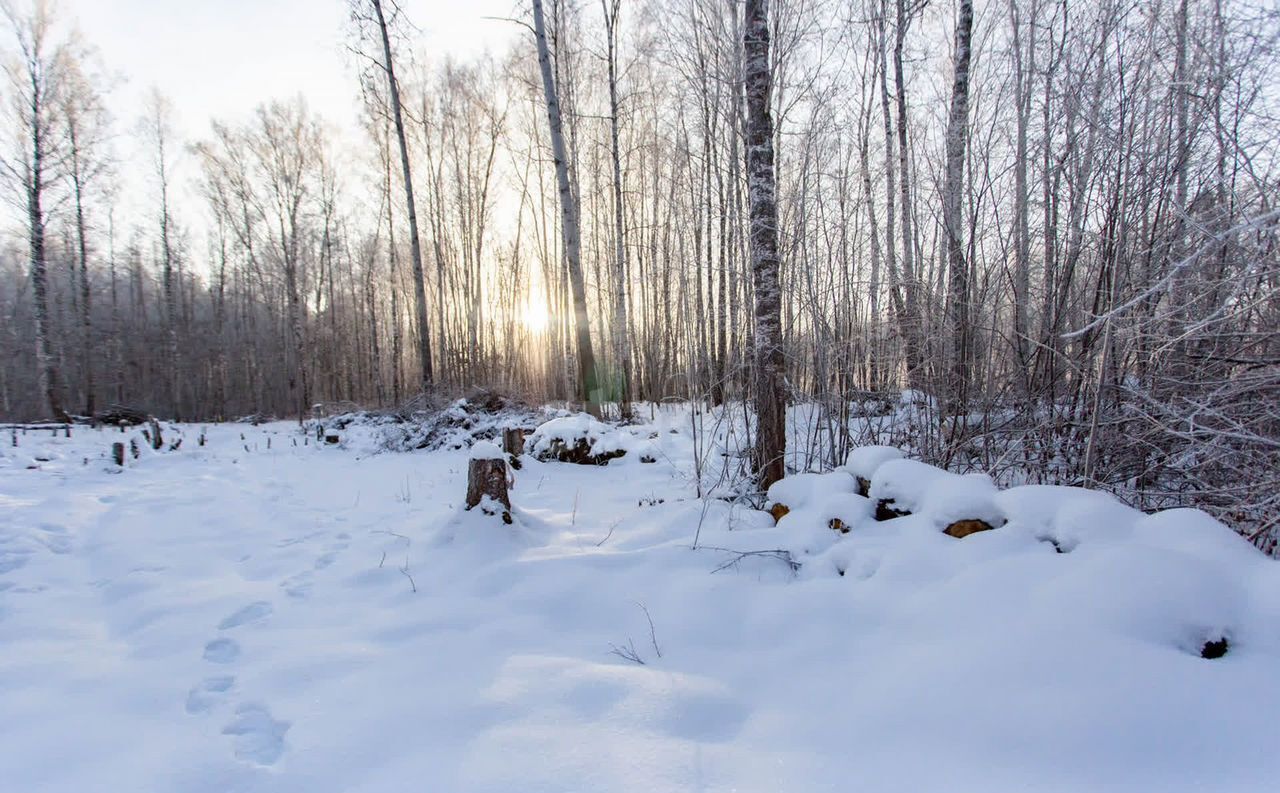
{"points": [[780, 554]]}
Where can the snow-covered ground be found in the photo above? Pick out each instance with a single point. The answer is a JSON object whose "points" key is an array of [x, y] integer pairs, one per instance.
{"points": [[255, 615]]}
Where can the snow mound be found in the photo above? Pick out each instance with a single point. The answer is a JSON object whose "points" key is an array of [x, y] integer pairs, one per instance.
{"points": [[801, 490], [485, 450], [864, 460], [912, 487], [1068, 516]]}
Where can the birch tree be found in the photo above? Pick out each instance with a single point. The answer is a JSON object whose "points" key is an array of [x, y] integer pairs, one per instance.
{"points": [[952, 218], [770, 398]]}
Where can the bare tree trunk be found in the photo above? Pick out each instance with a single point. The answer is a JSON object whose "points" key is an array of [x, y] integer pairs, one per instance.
{"points": [[910, 279], [770, 402], [588, 387], [1022, 233], [82, 256], [159, 111], [621, 334], [35, 78], [415, 246], [46, 364], [952, 218]]}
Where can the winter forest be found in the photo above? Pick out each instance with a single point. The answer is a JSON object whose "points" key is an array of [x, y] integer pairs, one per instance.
{"points": [[752, 244], [1056, 219]]}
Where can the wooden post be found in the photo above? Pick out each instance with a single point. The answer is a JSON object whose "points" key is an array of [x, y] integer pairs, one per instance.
{"points": [[487, 476], [117, 453]]}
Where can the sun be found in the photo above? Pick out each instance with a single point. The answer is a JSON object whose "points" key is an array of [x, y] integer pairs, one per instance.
{"points": [[535, 316]]}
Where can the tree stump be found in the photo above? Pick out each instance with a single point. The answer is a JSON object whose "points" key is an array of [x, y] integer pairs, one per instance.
{"points": [[488, 477], [156, 439], [513, 445], [117, 453]]}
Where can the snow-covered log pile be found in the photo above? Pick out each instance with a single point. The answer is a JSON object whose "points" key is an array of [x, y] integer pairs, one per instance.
{"points": [[877, 485], [886, 486], [584, 440], [457, 425], [1059, 556]]}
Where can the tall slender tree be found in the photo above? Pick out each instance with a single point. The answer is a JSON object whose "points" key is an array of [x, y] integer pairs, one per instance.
{"points": [[958, 272], [387, 66], [588, 379], [37, 81], [770, 399], [621, 334]]}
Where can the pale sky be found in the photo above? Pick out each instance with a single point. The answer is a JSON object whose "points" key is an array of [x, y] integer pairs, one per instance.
{"points": [[223, 57]]}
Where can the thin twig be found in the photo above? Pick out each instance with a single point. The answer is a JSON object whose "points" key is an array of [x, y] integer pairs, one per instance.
{"points": [[781, 554], [615, 525], [627, 653], [653, 634]]}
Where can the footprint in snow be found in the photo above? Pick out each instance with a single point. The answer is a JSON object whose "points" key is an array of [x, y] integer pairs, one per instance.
{"points": [[250, 613], [298, 586], [208, 692], [331, 555], [12, 560], [259, 736], [222, 651]]}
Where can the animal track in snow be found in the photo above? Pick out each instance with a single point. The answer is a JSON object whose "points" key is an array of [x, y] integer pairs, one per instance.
{"points": [[259, 736], [250, 613], [202, 697], [222, 651]]}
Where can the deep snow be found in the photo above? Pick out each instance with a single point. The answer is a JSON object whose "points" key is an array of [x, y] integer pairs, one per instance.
{"points": [[309, 618]]}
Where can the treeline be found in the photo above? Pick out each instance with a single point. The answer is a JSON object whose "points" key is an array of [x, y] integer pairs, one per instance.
{"points": [[1079, 261]]}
